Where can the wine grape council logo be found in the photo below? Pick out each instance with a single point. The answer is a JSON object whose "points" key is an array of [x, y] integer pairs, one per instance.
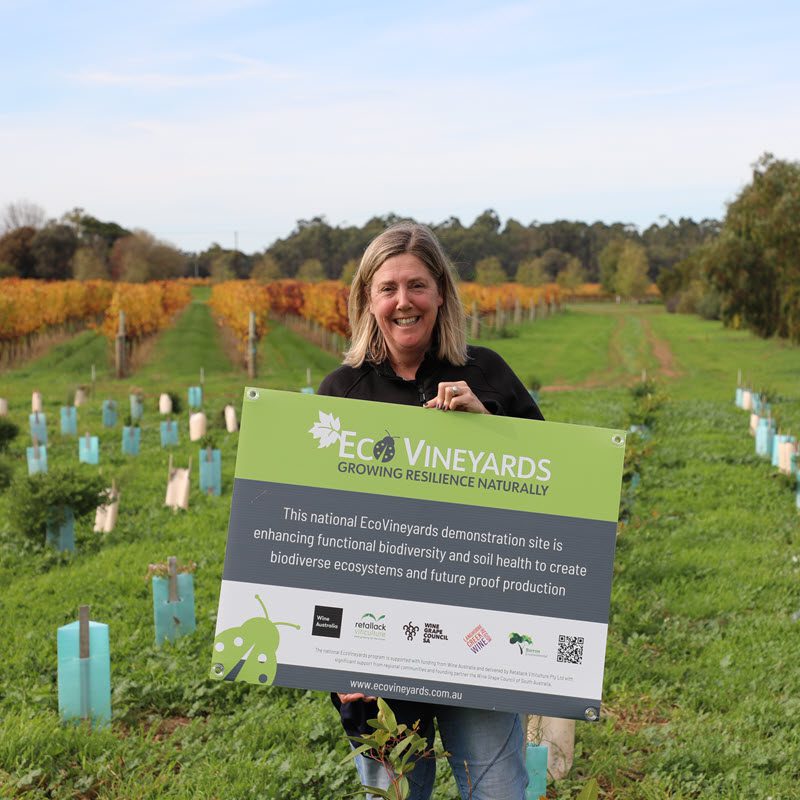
{"points": [[248, 652], [477, 638], [370, 626], [433, 632], [525, 645], [327, 622], [411, 630]]}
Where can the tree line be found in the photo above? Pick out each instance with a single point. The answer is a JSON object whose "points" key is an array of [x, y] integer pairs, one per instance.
{"points": [[78, 245], [744, 270], [749, 274]]}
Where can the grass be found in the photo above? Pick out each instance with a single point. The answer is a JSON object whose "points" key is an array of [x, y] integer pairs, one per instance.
{"points": [[701, 685]]}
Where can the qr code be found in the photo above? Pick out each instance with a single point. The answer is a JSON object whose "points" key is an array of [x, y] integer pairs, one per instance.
{"points": [[570, 649]]}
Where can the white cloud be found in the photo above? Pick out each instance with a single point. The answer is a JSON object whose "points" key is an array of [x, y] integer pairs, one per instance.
{"points": [[250, 69]]}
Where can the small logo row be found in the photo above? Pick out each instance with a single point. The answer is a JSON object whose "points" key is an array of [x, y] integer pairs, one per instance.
{"points": [[328, 622]]}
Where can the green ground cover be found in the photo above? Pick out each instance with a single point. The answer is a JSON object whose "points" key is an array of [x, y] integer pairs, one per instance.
{"points": [[701, 687]]}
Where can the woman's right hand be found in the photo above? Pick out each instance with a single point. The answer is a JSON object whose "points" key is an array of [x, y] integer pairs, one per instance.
{"points": [[348, 698]]}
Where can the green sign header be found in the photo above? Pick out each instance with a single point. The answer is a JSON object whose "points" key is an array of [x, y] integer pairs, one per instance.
{"points": [[426, 454]]}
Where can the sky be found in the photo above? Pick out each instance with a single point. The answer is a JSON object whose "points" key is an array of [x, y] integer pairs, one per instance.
{"points": [[229, 120]]}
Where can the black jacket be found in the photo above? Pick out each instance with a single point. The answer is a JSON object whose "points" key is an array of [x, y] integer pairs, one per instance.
{"points": [[501, 392], [485, 372]]}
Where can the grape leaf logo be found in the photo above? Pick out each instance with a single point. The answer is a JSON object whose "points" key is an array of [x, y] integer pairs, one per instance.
{"points": [[327, 429], [248, 652]]}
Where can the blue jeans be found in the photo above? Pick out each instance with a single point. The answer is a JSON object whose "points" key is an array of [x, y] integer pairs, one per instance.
{"points": [[491, 743]]}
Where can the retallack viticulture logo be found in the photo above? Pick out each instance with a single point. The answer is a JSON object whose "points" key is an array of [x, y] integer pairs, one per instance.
{"points": [[370, 626], [376, 455]]}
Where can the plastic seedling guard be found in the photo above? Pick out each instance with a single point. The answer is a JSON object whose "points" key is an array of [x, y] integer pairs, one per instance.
{"points": [[84, 671], [89, 450], [61, 534], [210, 471], [173, 603], [37, 458], [109, 413], [195, 396], [131, 437], [69, 421], [169, 433], [38, 423]]}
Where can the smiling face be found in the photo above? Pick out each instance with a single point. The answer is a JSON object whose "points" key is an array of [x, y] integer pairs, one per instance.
{"points": [[404, 298]]}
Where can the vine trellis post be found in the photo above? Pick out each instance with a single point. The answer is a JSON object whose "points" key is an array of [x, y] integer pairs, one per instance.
{"points": [[120, 351]]}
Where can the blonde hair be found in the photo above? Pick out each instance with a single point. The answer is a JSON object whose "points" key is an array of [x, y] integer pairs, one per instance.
{"points": [[449, 333]]}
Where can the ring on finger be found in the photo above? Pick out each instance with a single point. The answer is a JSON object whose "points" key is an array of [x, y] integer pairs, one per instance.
{"points": [[454, 390]]}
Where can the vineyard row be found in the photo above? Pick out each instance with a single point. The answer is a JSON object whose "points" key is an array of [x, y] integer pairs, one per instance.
{"points": [[325, 303]]}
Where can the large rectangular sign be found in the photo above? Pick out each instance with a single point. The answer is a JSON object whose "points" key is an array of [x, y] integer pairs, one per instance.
{"points": [[414, 554]]}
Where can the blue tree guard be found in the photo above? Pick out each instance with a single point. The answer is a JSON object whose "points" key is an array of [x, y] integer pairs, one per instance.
{"points": [[37, 459], [195, 396], [536, 764], [69, 421], [210, 471], [765, 435], [790, 440], [61, 535], [176, 618], [109, 413], [38, 423], [89, 450], [84, 683], [307, 390], [739, 399], [131, 436], [169, 433], [779, 439], [137, 406]]}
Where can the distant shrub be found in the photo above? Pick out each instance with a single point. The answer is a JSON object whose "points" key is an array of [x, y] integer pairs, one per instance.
{"points": [[8, 432], [177, 403], [6, 473], [41, 499]]}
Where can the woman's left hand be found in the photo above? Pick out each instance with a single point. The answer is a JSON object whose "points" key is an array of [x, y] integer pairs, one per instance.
{"points": [[456, 396]]}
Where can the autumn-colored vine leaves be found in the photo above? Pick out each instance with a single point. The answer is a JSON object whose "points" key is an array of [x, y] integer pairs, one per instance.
{"points": [[325, 303], [148, 307], [30, 307]]}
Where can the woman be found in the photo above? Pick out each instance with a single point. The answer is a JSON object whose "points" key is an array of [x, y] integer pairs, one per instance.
{"points": [[409, 346]]}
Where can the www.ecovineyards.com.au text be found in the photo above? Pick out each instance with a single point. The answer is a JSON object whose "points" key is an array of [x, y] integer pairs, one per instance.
{"points": [[372, 687]]}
